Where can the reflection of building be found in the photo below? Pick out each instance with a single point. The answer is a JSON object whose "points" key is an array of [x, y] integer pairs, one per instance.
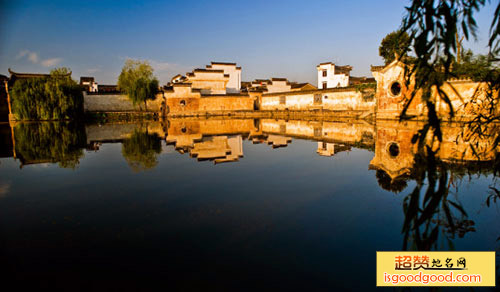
{"points": [[393, 149], [395, 152], [217, 140], [278, 141], [218, 148], [6, 143], [330, 149]]}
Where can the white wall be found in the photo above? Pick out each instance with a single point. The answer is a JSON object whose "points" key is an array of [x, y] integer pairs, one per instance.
{"points": [[278, 86], [332, 80], [234, 83]]}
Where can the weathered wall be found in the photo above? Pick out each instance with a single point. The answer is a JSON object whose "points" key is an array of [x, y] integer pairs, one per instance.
{"points": [[226, 103], [325, 131], [456, 146], [183, 133], [329, 99], [278, 86], [116, 103], [181, 105], [460, 93]]}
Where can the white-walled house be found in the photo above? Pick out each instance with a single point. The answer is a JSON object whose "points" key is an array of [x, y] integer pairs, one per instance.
{"points": [[332, 76], [234, 83]]}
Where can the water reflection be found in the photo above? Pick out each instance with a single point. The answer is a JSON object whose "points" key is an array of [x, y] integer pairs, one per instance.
{"points": [[49, 142], [141, 150], [282, 205], [221, 140]]}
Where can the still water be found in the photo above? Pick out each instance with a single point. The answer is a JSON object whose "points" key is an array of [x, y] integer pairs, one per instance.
{"points": [[222, 204]]}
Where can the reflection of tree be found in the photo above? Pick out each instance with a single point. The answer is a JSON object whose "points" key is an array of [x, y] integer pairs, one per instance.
{"points": [[141, 150], [387, 183], [428, 207], [434, 28], [61, 142]]}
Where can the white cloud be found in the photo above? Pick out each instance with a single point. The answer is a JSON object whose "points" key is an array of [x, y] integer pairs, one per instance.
{"points": [[93, 70], [163, 70], [162, 66], [22, 54], [51, 62], [32, 56], [35, 59]]}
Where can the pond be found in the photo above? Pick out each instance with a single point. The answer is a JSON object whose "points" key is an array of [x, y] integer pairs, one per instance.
{"points": [[225, 204]]}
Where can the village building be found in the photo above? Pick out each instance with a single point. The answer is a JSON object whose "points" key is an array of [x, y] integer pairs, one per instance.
{"points": [[4, 106], [208, 81], [276, 85], [302, 86], [177, 79], [88, 84], [393, 92], [234, 72], [269, 85], [333, 76]]}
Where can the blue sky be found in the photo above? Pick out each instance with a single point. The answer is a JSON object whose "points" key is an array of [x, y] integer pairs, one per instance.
{"points": [[267, 38]]}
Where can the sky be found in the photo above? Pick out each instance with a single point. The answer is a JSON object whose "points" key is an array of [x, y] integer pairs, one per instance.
{"points": [[266, 38]]}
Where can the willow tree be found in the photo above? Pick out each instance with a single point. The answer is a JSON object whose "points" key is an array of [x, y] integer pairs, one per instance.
{"points": [[54, 97], [433, 27], [138, 82]]}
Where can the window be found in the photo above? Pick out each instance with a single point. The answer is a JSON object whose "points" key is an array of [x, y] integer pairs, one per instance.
{"points": [[317, 98], [324, 85], [395, 88], [325, 73], [393, 149], [282, 99], [317, 132]]}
